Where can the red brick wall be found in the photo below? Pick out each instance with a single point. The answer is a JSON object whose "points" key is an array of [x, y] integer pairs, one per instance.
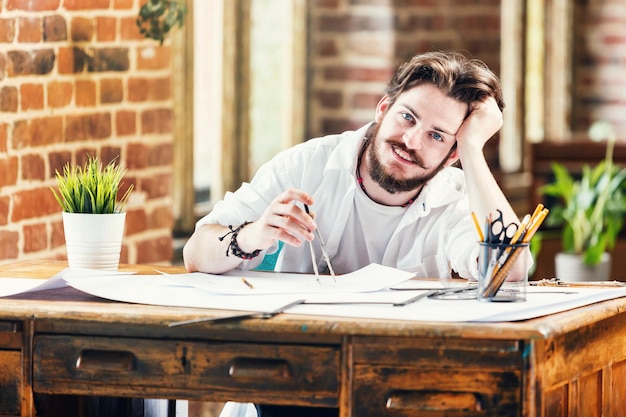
{"points": [[77, 79], [599, 80], [356, 44]]}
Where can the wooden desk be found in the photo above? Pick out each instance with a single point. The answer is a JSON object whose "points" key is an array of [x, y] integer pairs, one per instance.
{"points": [[66, 342]]}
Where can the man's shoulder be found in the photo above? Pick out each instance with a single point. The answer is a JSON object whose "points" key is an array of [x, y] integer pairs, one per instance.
{"points": [[323, 146]]}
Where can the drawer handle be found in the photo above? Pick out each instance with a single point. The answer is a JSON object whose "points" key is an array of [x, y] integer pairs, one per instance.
{"points": [[435, 401], [106, 360], [265, 369]]}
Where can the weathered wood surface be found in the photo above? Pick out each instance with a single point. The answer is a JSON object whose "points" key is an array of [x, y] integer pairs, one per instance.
{"points": [[68, 343]]}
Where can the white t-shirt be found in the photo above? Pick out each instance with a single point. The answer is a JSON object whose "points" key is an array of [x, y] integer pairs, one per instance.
{"points": [[430, 237]]}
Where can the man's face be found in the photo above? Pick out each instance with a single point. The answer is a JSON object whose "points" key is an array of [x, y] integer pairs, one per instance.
{"points": [[414, 138]]}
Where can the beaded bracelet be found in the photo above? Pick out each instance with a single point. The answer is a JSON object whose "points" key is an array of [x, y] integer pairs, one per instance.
{"points": [[233, 246]]}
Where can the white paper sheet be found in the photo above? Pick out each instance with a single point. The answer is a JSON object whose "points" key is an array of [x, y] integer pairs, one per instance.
{"points": [[169, 290], [162, 290], [159, 290], [373, 277], [12, 286], [540, 302]]}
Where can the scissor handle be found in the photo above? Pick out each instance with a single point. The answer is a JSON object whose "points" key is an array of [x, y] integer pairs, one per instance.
{"points": [[501, 233]]}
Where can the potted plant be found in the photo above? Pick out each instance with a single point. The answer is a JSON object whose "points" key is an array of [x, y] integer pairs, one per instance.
{"points": [[93, 216], [589, 210]]}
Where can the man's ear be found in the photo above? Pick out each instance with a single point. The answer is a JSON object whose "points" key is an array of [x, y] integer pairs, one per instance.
{"points": [[381, 108]]}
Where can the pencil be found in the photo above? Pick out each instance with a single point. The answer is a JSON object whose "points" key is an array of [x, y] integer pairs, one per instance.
{"points": [[248, 284], [478, 229]]}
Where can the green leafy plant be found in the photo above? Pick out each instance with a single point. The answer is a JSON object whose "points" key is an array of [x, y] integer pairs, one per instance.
{"points": [[91, 188], [590, 209], [157, 17]]}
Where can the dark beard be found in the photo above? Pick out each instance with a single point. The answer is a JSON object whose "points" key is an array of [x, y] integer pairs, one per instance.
{"points": [[390, 183]]}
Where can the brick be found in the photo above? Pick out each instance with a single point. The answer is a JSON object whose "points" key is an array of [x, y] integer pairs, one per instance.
{"points": [[154, 250], [161, 218], [356, 23], [89, 126], [157, 186], [107, 59], [8, 99], [138, 89], [3, 66], [125, 123], [326, 48], [161, 155], [136, 222], [122, 4], [57, 161], [124, 255], [81, 29], [33, 6], [137, 156], [106, 29], [31, 96], [327, 4], [4, 127], [365, 100], [153, 58], [30, 29], [38, 132], [35, 238], [111, 90], [8, 168], [38, 62], [129, 30], [33, 167], [83, 155], [60, 94], [4, 210], [330, 99], [33, 203], [85, 93], [110, 153], [157, 121], [86, 4], [149, 89], [347, 73], [9, 244], [54, 28], [7, 30], [57, 234], [334, 125]]}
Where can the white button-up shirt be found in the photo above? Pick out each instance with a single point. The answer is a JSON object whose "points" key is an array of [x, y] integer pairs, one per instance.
{"points": [[432, 236]]}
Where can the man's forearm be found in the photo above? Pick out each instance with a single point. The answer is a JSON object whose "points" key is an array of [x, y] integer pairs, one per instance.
{"points": [[204, 252]]}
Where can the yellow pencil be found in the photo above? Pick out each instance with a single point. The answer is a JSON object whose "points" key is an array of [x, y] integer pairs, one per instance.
{"points": [[248, 284], [478, 229]]}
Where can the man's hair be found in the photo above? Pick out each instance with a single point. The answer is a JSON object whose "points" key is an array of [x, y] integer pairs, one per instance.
{"points": [[460, 78]]}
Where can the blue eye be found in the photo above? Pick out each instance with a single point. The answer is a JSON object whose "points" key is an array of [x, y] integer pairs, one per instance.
{"points": [[407, 116], [437, 136]]}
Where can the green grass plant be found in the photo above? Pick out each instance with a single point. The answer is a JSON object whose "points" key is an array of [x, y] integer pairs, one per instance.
{"points": [[92, 188]]}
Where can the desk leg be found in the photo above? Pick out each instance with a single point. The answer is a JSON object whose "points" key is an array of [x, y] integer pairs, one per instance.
{"points": [[27, 407]]}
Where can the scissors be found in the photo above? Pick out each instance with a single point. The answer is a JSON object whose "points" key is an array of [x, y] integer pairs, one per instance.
{"points": [[499, 233], [324, 252]]}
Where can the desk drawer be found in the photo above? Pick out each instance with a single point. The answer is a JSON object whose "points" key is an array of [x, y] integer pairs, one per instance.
{"points": [[185, 369], [437, 378]]}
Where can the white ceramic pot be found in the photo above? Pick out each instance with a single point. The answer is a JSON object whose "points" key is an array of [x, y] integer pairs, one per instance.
{"points": [[570, 267], [94, 240]]}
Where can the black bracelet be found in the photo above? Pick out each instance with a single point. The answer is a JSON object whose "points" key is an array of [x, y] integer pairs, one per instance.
{"points": [[233, 246]]}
